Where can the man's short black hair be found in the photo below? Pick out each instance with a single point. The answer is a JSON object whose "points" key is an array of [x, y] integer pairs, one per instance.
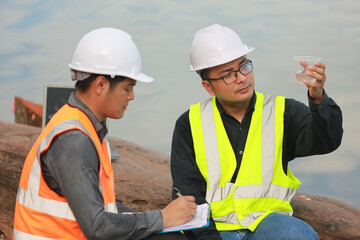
{"points": [[203, 73], [83, 85]]}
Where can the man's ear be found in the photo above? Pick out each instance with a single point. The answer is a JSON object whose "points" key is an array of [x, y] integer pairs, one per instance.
{"points": [[99, 85], [209, 88]]}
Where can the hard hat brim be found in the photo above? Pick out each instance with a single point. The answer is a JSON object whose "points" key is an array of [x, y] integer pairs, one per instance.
{"points": [[138, 77], [197, 68], [142, 78]]}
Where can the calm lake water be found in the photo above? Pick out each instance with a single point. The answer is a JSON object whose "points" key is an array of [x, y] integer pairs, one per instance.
{"points": [[38, 38]]}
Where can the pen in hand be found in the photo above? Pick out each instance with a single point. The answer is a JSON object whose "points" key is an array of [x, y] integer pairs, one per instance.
{"points": [[177, 191]]}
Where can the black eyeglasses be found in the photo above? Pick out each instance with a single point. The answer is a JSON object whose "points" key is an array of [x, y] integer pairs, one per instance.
{"points": [[232, 76]]}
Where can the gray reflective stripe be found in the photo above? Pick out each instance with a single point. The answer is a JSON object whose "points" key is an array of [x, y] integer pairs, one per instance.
{"points": [[18, 235], [268, 140], [34, 178], [215, 193], [111, 207], [250, 218], [61, 127], [100, 179], [32, 200], [211, 147], [230, 218], [260, 191], [108, 148], [246, 221]]}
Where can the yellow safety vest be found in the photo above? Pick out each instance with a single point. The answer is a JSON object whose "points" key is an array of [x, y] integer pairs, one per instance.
{"points": [[261, 186], [40, 213]]}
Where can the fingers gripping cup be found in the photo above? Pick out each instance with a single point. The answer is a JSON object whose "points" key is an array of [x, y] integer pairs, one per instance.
{"points": [[301, 63]]}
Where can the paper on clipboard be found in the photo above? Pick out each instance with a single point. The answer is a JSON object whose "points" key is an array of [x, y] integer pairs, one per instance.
{"points": [[201, 219]]}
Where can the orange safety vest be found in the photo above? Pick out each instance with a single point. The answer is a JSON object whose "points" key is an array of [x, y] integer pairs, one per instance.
{"points": [[39, 211]]}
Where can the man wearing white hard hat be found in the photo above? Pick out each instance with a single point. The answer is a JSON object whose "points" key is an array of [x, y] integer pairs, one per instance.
{"points": [[232, 150], [66, 190]]}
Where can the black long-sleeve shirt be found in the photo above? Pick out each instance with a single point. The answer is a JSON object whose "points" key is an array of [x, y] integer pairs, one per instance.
{"points": [[312, 130]]}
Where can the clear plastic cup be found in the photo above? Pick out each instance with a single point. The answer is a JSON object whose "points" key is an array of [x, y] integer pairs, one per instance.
{"points": [[300, 71]]}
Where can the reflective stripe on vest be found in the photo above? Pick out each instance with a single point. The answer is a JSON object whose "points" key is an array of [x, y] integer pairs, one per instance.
{"points": [[18, 235], [37, 205], [261, 186]]}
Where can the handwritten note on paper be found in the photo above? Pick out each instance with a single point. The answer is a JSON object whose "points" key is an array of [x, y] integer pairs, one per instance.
{"points": [[201, 219]]}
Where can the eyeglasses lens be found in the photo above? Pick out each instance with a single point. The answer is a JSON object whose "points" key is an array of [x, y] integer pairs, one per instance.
{"points": [[244, 70]]}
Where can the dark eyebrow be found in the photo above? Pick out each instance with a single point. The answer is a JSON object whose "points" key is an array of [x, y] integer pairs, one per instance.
{"points": [[230, 69], [132, 83]]}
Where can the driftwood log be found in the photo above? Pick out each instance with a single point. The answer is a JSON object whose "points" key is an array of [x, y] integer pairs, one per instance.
{"points": [[143, 182]]}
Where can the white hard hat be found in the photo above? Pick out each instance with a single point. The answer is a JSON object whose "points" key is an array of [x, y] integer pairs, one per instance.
{"points": [[107, 51], [215, 45]]}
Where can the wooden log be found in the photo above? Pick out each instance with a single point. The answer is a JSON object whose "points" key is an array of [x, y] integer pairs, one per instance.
{"points": [[332, 219], [143, 182]]}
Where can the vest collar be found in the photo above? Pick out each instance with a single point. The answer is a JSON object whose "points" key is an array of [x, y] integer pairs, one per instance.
{"points": [[250, 109], [100, 127]]}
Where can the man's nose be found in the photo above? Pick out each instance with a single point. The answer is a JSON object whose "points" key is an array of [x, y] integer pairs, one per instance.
{"points": [[240, 77], [131, 95]]}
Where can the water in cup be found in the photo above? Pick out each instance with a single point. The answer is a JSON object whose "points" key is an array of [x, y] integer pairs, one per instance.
{"points": [[301, 76], [300, 71]]}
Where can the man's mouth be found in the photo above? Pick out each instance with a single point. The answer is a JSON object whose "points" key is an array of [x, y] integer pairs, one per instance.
{"points": [[243, 89]]}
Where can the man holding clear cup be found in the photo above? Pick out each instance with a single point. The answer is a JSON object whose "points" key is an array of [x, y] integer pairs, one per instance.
{"points": [[233, 150], [301, 63]]}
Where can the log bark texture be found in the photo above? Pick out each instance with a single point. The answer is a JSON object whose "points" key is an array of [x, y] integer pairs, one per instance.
{"points": [[143, 182]]}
